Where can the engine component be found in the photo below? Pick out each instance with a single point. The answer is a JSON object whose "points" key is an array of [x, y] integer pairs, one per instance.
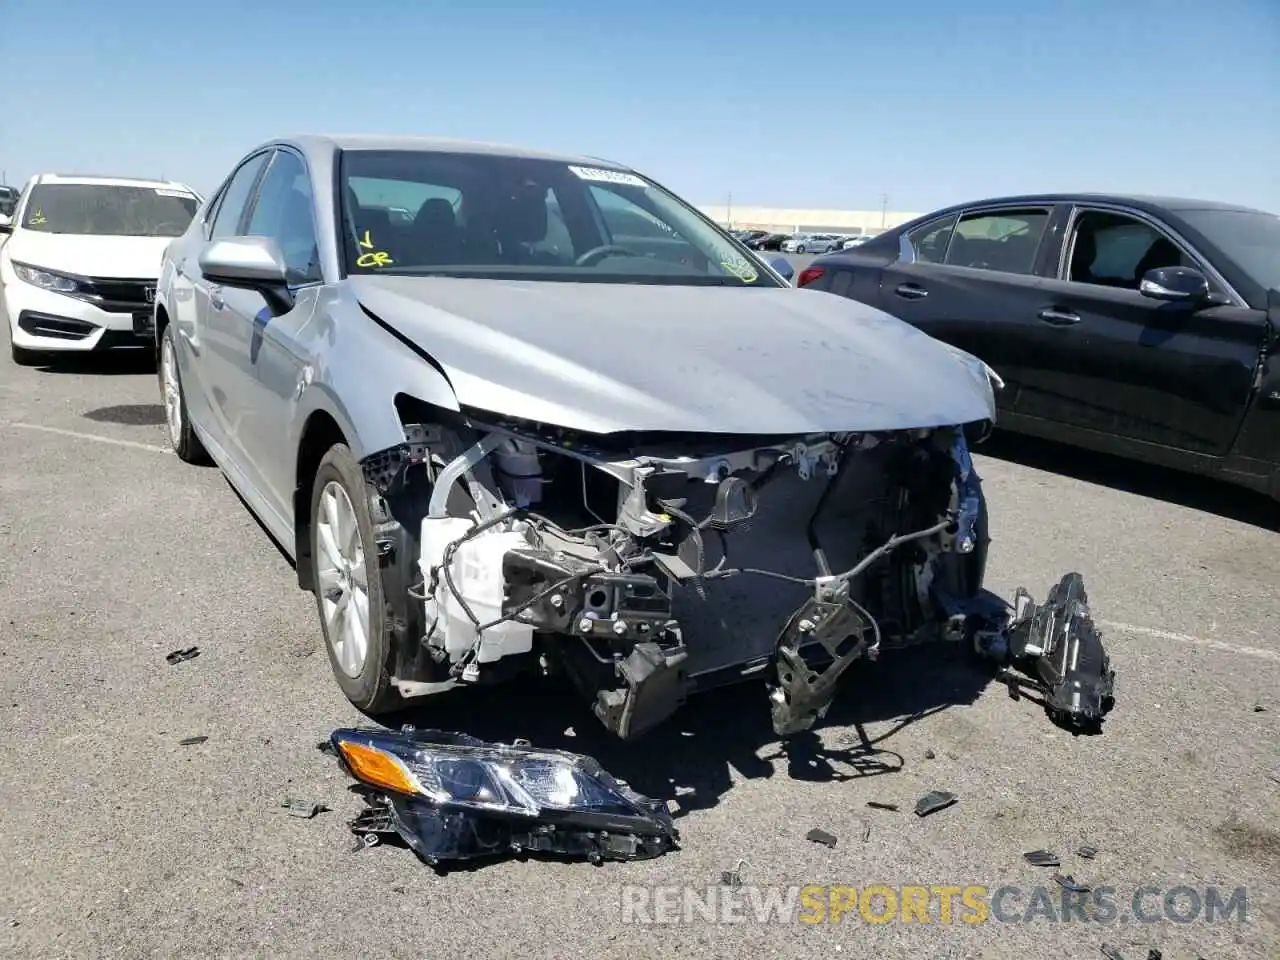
{"points": [[519, 471], [462, 567]]}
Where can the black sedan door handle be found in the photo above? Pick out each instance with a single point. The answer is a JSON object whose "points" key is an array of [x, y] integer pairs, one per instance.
{"points": [[1060, 318], [910, 291]]}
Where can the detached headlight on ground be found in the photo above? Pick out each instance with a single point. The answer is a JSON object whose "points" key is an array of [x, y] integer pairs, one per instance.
{"points": [[45, 280], [451, 796]]}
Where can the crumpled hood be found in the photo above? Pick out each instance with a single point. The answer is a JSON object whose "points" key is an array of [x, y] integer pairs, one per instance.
{"points": [[126, 258], [614, 357]]}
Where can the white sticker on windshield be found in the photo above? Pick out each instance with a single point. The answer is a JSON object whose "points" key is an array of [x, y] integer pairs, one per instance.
{"points": [[173, 193], [608, 176]]}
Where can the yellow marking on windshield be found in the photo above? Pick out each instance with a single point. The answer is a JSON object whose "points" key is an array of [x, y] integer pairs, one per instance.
{"points": [[37, 218], [377, 258], [741, 269], [366, 242]]}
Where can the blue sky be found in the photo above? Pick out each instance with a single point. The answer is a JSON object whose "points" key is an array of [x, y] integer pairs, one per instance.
{"points": [[807, 105]]}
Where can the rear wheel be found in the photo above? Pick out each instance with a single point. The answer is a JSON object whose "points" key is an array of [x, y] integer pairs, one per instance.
{"points": [[182, 436], [348, 585], [800, 249]]}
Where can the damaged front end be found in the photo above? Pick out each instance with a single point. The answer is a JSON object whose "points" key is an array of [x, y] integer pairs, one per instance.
{"points": [[634, 563], [453, 797]]}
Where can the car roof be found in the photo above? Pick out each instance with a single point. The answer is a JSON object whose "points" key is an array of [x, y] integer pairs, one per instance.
{"points": [[329, 143], [87, 178], [1140, 201]]}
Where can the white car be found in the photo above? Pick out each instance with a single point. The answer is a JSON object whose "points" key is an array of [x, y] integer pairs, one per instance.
{"points": [[78, 271], [854, 242]]}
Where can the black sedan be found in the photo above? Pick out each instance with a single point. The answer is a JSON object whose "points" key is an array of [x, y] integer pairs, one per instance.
{"points": [[1138, 326]]}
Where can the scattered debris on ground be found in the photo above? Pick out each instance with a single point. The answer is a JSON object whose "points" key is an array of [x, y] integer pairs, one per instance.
{"points": [[929, 755], [1042, 858], [866, 831], [817, 835], [1111, 953], [1259, 708], [1154, 954], [877, 805], [191, 741], [177, 656], [1068, 882], [451, 796], [1087, 851], [303, 809], [933, 801], [733, 878]]}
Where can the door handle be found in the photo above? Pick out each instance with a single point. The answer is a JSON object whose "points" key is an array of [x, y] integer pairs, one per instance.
{"points": [[215, 298], [910, 291], [1061, 318]]}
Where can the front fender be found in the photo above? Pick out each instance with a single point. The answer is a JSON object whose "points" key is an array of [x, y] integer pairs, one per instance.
{"points": [[358, 375]]}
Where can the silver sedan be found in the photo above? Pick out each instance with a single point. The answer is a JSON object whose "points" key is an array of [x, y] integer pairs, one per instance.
{"points": [[512, 412]]}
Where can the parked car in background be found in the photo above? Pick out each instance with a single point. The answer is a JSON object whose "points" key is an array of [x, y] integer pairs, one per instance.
{"points": [[8, 202], [808, 243], [1138, 326], [78, 271], [493, 438], [769, 241], [854, 242]]}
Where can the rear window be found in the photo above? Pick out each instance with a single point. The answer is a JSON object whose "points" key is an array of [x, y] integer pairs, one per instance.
{"points": [[108, 210]]}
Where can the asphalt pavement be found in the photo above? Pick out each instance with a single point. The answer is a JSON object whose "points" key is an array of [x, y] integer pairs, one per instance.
{"points": [[120, 841]]}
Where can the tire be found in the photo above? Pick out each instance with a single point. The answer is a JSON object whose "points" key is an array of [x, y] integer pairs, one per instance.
{"points": [[182, 436], [26, 358], [800, 249], [364, 676]]}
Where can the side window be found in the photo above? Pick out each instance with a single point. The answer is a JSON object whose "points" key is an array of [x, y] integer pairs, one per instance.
{"points": [[1002, 240], [234, 197], [283, 213], [1116, 250], [930, 239]]}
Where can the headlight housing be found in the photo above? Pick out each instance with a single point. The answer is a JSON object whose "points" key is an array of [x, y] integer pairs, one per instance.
{"points": [[46, 279], [451, 796]]}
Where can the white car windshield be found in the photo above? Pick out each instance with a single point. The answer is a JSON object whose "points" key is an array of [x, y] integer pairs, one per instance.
{"points": [[483, 215], [108, 210]]}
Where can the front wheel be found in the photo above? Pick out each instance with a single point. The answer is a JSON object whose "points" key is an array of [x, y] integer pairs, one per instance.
{"points": [[182, 436], [800, 249], [348, 585]]}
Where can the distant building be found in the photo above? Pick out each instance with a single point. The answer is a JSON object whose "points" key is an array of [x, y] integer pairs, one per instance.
{"points": [[777, 220]]}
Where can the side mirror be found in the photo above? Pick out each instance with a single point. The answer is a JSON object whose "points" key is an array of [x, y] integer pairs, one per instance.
{"points": [[1175, 284], [784, 267], [249, 263]]}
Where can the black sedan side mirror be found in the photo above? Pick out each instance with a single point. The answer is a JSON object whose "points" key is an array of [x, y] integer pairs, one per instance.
{"points": [[1175, 284]]}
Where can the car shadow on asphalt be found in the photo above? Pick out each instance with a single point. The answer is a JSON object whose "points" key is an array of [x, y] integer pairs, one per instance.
{"points": [[721, 735], [130, 361], [1130, 476]]}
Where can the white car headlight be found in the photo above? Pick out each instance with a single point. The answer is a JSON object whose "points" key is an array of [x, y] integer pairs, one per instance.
{"points": [[44, 279]]}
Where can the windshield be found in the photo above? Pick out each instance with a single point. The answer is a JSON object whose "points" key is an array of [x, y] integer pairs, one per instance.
{"points": [[474, 215], [1250, 239], [105, 210]]}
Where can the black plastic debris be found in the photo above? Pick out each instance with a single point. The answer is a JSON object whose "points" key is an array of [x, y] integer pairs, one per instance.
{"points": [[877, 805], [1087, 851], [817, 835], [1068, 882], [1111, 953], [325, 746], [1259, 708], [1042, 858], [452, 797], [303, 809], [177, 656], [933, 801], [1154, 954], [191, 741], [733, 878], [929, 755]]}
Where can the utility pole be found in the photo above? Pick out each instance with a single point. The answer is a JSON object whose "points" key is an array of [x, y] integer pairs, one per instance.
{"points": [[729, 211], [884, 209]]}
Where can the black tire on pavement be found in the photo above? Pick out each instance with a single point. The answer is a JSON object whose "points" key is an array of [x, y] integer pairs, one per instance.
{"points": [[186, 444]]}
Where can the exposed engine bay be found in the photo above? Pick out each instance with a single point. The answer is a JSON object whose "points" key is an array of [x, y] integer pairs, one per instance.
{"points": [[646, 567]]}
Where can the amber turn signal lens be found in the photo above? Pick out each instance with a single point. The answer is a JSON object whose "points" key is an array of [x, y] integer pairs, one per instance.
{"points": [[375, 767]]}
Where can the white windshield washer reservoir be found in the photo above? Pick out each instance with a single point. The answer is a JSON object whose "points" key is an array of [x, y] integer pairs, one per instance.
{"points": [[476, 569]]}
